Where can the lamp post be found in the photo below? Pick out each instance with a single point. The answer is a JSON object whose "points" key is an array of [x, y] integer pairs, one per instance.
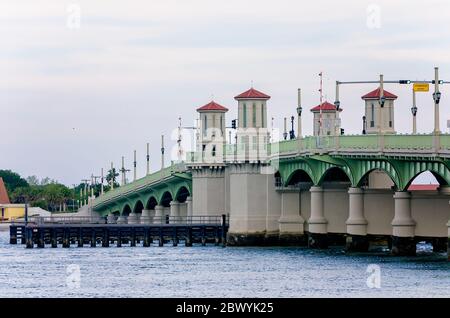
{"points": [[299, 113], [382, 100], [414, 113], [292, 133], [436, 98], [285, 134]]}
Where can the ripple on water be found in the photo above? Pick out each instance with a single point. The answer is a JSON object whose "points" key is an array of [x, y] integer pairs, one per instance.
{"points": [[216, 272]]}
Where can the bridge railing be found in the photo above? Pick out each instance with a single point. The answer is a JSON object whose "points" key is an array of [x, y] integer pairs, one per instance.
{"points": [[142, 182], [165, 219]]}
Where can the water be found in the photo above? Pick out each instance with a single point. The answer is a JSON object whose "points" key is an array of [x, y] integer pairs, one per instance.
{"points": [[214, 272]]}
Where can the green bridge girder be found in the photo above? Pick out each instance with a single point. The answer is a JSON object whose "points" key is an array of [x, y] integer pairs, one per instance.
{"points": [[401, 171], [154, 188], [401, 157]]}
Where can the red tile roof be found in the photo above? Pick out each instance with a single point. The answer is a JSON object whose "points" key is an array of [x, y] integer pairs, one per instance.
{"points": [[212, 106], [375, 94], [4, 199], [423, 187], [252, 94], [326, 106]]}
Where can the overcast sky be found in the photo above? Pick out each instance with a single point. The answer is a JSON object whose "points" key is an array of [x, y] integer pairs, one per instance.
{"points": [[74, 97]]}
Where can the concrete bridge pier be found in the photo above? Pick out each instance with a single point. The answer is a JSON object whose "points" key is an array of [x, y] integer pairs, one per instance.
{"points": [[183, 211], [357, 239], [189, 206], [133, 218], [448, 244], [317, 237], [122, 219], [146, 216], [175, 210], [159, 216], [111, 219], [291, 223], [403, 226]]}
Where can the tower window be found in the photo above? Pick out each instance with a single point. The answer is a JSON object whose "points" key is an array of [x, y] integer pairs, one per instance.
{"points": [[221, 125], [214, 151], [254, 115], [244, 115], [262, 116], [372, 115], [205, 126]]}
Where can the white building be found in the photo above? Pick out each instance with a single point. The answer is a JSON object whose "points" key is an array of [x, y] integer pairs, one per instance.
{"points": [[377, 113], [331, 123]]}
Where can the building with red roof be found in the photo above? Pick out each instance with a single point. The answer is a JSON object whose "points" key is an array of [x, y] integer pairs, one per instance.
{"points": [[331, 123], [379, 117]]}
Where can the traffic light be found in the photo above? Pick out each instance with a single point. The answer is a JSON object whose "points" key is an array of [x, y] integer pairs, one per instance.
{"points": [[342, 131], [233, 124]]}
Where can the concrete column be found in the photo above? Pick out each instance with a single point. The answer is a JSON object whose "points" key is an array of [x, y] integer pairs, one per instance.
{"points": [[189, 206], [403, 226], [183, 211], [175, 211], [291, 223], [356, 223], [122, 219], [133, 218], [111, 219], [448, 244], [317, 222], [159, 216], [146, 217]]}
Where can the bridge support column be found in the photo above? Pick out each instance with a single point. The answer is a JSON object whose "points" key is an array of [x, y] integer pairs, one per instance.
{"points": [[403, 226], [175, 211], [448, 244], [133, 218], [291, 223], [317, 222], [357, 239], [122, 219], [111, 219], [146, 217], [189, 207], [159, 217], [183, 212]]}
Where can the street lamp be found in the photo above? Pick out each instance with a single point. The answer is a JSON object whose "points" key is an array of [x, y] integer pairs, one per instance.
{"points": [[382, 101], [437, 97], [414, 110], [291, 133]]}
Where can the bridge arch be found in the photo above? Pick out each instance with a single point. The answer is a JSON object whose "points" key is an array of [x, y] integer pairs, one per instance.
{"points": [[138, 207], [363, 168], [166, 198], [126, 210], [182, 194], [151, 202], [440, 172], [335, 174], [288, 170], [298, 176]]}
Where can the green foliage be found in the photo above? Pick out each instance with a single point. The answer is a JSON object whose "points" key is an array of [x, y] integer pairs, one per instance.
{"points": [[12, 180]]}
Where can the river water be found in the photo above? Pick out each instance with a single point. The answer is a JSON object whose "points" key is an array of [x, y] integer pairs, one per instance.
{"points": [[216, 272]]}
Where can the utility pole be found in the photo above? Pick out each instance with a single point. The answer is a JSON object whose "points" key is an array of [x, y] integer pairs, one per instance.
{"points": [[101, 187], [134, 167], [414, 113], [436, 97], [148, 158], [84, 196], [113, 177], [162, 152], [124, 171], [299, 114]]}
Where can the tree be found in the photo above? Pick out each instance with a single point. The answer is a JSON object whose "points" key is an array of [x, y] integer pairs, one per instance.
{"points": [[33, 180], [112, 174], [12, 180]]}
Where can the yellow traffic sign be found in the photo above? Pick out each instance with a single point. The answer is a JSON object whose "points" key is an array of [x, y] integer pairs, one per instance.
{"points": [[421, 87]]}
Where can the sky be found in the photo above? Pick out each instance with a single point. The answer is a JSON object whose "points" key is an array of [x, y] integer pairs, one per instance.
{"points": [[83, 83]]}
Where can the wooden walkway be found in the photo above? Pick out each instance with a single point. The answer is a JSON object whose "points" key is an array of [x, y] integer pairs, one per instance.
{"points": [[94, 232]]}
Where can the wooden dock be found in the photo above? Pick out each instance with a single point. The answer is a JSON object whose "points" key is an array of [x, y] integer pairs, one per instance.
{"points": [[79, 231]]}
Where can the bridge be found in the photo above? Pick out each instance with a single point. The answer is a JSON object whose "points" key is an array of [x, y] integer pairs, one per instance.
{"points": [[321, 190]]}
